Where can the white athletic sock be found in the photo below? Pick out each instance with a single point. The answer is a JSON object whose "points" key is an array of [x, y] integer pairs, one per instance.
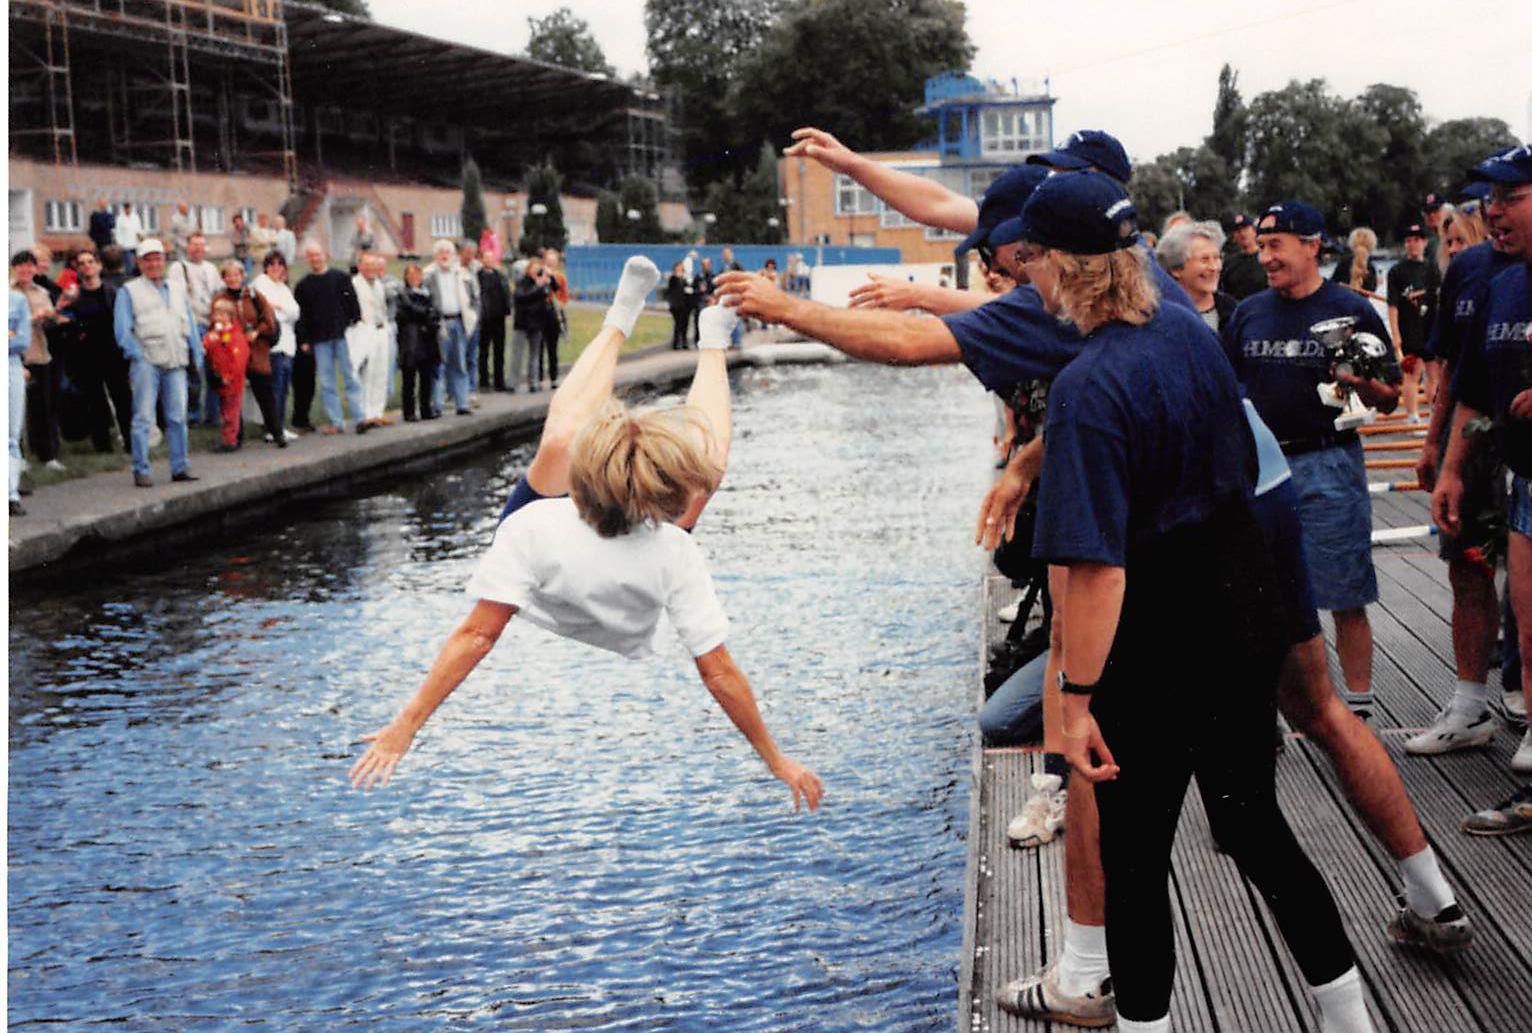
{"points": [[1341, 1007], [1425, 890], [1471, 697], [1083, 964], [715, 325], [639, 277], [1130, 1026]]}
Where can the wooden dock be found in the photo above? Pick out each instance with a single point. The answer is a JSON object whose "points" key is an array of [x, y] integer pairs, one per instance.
{"points": [[1233, 973]]}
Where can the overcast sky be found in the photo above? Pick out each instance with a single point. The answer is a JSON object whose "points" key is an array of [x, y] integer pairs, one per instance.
{"points": [[1148, 69]]}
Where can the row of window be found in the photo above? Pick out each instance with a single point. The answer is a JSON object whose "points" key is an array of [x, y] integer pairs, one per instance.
{"points": [[69, 216]]}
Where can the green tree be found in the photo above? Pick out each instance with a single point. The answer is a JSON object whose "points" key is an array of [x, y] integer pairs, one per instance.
{"points": [[546, 228], [1308, 144], [636, 195], [1227, 140], [857, 67], [563, 39], [1394, 175], [1455, 146], [1190, 178], [745, 212], [611, 227], [695, 48], [474, 220]]}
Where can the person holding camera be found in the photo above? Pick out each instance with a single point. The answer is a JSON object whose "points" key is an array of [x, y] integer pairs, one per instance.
{"points": [[1283, 365], [531, 304]]}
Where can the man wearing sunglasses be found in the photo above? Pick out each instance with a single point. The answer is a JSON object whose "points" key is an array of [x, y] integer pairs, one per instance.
{"points": [[1493, 379]]}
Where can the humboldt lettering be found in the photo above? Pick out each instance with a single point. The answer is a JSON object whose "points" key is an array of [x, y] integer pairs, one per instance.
{"points": [[1293, 349]]}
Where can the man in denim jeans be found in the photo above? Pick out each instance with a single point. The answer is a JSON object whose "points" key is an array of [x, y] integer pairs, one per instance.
{"points": [[157, 332], [327, 305]]}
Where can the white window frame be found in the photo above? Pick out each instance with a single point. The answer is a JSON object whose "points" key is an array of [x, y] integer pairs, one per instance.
{"points": [[851, 198], [210, 218], [72, 222], [446, 226], [249, 212]]}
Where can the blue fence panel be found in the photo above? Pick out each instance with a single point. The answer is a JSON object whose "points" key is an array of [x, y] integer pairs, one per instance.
{"points": [[594, 269]]}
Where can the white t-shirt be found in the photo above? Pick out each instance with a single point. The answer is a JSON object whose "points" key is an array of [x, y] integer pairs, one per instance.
{"points": [[608, 592], [285, 306]]}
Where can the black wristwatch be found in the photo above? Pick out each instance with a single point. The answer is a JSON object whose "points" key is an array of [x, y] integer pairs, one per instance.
{"points": [[1074, 688]]}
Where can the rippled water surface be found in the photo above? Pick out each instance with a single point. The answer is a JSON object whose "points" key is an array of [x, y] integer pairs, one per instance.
{"points": [[577, 841]]}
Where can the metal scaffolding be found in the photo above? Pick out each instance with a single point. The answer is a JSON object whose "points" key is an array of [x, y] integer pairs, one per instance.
{"points": [[149, 100]]}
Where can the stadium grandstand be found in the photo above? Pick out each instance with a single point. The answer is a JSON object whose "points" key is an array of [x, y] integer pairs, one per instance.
{"points": [[267, 106]]}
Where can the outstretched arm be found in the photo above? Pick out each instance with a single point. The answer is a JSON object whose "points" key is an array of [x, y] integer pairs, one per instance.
{"points": [[465, 647], [891, 292], [889, 338], [727, 683], [924, 200]]}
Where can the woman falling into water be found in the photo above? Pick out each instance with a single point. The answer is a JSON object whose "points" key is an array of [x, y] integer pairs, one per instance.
{"points": [[594, 542]]}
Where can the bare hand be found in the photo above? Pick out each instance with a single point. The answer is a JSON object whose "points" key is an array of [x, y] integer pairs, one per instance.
{"points": [[1425, 467], [805, 784], [822, 147], [1081, 748], [377, 765], [1446, 501], [997, 513], [752, 295], [1373, 393], [885, 291], [1521, 405]]}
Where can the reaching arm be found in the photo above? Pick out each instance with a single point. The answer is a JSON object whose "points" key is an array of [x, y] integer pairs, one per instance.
{"points": [[465, 647], [889, 338], [728, 686], [924, 200], [891, 292]]}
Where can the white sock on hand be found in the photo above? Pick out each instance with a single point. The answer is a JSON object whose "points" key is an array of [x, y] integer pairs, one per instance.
{"points": [[1083, 964], [715, 326], [639, 277], [1341, 1007]]}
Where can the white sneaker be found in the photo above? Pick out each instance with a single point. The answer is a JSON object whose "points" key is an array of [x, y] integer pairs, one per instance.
{"points": [[1042, 816], [1453, 730], [1521, 760], [1008, 614], [1513, 708], [1039, 997], [55, 465]]}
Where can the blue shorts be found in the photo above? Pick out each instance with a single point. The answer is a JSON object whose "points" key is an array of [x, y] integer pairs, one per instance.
{"points": [[521, 494], [1336, 510], [1518, 512], [1276, 512]]}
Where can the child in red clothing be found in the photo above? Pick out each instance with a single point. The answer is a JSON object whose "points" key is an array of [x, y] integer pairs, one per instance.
{"points": [[228, 353]]}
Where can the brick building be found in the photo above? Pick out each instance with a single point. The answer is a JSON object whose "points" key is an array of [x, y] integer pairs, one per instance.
{"points": [[283, 106], [981, 130]]}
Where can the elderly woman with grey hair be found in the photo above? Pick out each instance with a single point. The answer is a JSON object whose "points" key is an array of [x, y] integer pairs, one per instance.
{"points": [[1192, 253]]}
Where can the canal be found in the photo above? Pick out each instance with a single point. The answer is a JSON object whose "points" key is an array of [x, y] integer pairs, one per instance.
{"points": [[577, 841]]}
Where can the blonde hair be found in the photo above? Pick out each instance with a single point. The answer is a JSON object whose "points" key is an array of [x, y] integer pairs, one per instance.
{"points": [[1096, 289], [231, 263], [1470, 219], [1362, 242], [632, 468], [225, 303]]}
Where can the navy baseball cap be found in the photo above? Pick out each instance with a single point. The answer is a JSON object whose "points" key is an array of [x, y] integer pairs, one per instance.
{"points": [[1512, 166], [1476, 190], [1415, 229], [1292, 217], [1431, 203], [1086, 148], [1241, 220], [1085, 214], [1002, 201]]}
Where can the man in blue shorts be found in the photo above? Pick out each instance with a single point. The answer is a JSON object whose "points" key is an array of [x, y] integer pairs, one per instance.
{"points": [[1282, 366], [1493, 379]]}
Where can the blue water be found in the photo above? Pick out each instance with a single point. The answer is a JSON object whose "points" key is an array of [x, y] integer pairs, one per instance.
{"points": [[577, 841]]}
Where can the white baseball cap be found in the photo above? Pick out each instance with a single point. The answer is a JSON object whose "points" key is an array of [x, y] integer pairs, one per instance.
{"points": [[150, 246]]}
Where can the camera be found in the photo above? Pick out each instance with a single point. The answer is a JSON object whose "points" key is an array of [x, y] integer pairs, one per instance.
{"points": [[1357, 352]]}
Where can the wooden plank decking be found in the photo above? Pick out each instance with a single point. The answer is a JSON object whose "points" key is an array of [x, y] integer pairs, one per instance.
{"points": [[1233, 972]]}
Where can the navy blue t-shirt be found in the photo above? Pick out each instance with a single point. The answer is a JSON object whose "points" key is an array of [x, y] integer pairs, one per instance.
{"points": [[1497, 362], [1145, 433], [1013, 338], [1280, 363], [1461, 295]]}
